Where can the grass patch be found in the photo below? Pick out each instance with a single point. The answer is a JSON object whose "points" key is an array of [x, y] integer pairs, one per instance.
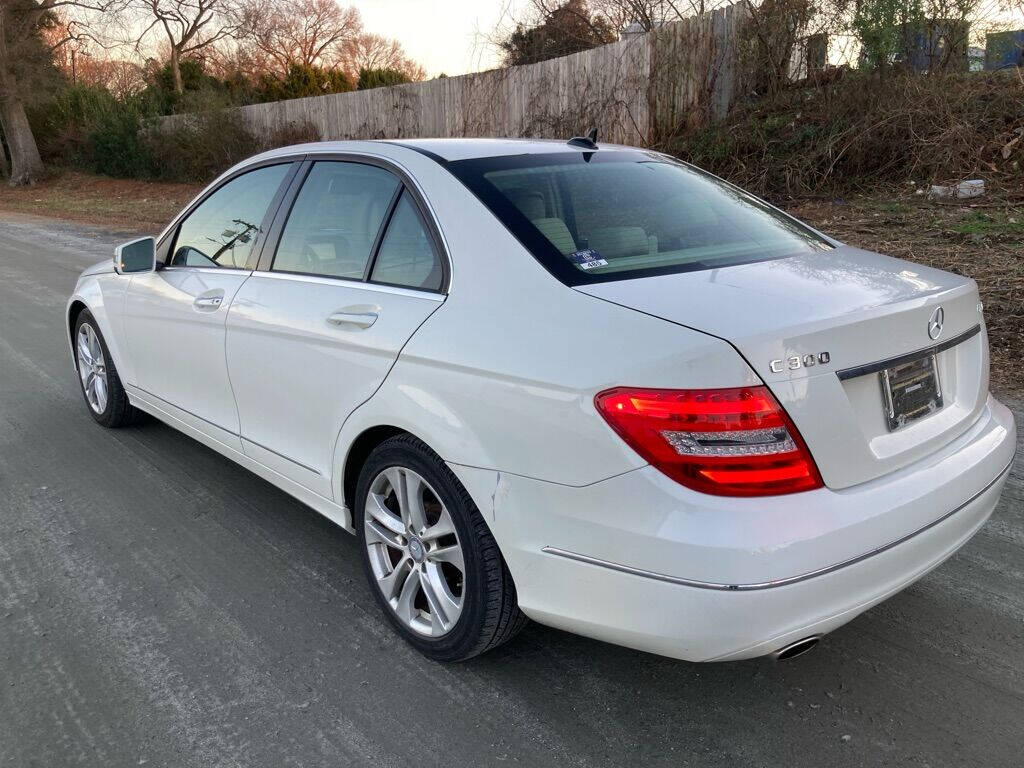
{"points": [[996, 224]]}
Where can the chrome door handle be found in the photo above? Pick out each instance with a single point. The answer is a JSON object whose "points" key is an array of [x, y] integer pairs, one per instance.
{"points": [[208, 302], [357, 319]]}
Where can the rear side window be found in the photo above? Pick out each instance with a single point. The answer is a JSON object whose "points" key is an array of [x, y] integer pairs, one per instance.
{"points": [[407, 256], [334, 223], [612, 215], [222, 230]]}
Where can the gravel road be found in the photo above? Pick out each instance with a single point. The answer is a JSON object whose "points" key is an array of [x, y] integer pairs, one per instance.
{"points": [[161, 606]]}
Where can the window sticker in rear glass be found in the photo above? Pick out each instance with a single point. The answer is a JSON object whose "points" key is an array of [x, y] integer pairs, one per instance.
{"points": [[587, 259]]}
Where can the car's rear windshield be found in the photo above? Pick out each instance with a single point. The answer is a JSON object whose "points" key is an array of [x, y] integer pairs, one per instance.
{"points": [[615, 214]]}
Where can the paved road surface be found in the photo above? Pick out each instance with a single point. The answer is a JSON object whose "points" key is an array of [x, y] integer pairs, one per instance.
{"points": [[161, 606]]}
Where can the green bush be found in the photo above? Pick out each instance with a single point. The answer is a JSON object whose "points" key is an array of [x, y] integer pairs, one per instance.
{"points": [[197, 85], [380, 78], [115, 147], [198, 147], [301, 81], [86, 127], [62, 124]]}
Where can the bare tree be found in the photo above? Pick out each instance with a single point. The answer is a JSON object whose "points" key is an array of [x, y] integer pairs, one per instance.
{"points": [[83, 55], [370, 51], [21, 47], [26, 165], [650, 14], [310, 32], [554, 28], [189, 26]]}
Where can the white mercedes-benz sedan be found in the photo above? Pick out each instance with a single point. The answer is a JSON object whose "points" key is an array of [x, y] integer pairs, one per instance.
{"points": [[585, 384]]}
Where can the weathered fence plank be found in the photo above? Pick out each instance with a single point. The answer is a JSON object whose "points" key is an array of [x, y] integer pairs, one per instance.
{"points": [[634, 90]]}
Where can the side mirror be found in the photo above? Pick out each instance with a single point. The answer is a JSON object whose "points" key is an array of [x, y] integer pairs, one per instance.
{"points": [[135, 256]]}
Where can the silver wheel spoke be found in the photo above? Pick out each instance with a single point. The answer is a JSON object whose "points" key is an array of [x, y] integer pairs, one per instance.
{"points": [[392, 584], [443, 527], [376, 533], [438, 620], [451, 554], [414, 487], [84, 353], [443, 604], [406, 607], [94, 345], [396, 479], [384, 516], [408, 489], [99, 388]]}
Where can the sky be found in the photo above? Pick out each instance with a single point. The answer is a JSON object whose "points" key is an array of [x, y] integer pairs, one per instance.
{"points": [[443, 35], [450, 36]]}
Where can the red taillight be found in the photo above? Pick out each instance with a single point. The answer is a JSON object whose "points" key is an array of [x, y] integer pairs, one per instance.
{"points": [[729, 442]]}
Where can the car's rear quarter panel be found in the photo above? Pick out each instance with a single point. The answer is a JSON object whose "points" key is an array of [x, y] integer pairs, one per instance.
{"points": [[504, 373]]}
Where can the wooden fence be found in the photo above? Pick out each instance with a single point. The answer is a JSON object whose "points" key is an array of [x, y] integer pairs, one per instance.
{"points": [[634, 91]]}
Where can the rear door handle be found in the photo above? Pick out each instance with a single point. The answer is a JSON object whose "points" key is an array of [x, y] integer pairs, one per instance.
{"points": [[352, 319]]}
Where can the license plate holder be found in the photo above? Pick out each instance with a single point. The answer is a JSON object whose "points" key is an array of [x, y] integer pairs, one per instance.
{"points": [[910, 391]]}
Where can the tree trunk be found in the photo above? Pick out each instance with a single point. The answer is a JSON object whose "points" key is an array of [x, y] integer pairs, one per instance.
{"points": [[26, 165], [176, 70], [5, 169]]}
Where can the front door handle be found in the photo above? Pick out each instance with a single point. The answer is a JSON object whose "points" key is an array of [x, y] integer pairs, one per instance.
{"points": [[352, 319], [208, 302]]}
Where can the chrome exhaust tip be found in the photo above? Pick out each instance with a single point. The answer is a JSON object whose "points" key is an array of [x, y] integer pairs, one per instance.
{"points": [[799, 648]]}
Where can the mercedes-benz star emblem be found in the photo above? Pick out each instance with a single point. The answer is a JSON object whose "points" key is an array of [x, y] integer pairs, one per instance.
{"points": [[416, 549], [935, 323]]}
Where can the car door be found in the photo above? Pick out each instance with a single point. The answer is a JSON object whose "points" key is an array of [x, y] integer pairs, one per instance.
{"points": [[174, 317], [347, 276]]}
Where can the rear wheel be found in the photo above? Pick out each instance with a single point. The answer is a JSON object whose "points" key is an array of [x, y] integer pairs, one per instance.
{"points": [[431, 561], [101, 386]]}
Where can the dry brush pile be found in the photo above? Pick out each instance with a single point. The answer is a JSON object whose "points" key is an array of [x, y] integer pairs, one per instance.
{"points": [[860, 131]]}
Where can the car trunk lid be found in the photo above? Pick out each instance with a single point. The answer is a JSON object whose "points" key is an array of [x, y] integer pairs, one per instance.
{"points": [[817, 329]]}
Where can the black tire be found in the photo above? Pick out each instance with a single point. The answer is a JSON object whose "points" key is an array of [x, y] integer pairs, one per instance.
{"points": [[118, 412], [490, 613]]}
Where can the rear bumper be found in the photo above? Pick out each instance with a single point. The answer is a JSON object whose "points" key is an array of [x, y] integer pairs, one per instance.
{"points": [[640, 561]]}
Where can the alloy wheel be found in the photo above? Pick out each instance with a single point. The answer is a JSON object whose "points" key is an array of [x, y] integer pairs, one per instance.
{"points": [[414, 551], [92, 368]]}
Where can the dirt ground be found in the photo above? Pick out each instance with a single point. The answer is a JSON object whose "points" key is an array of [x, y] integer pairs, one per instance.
{"points": [[120, 204], [984, 240]]}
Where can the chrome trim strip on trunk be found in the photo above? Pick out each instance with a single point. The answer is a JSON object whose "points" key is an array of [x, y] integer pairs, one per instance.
{"points": [[777, 582], [881, 365]]}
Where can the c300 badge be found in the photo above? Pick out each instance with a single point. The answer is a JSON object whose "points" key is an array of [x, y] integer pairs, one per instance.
{"points": [[796, 362]]}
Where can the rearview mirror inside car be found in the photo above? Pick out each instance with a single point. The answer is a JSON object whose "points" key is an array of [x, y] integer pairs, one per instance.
{"points": [[135, 256]]}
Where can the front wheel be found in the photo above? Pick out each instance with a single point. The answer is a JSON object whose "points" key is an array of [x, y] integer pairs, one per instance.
{"points": [[432, 563], [101, 386]]}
